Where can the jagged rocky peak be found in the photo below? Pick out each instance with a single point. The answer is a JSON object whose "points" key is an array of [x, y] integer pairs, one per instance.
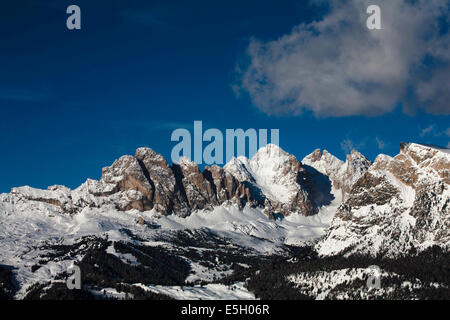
{"points": [[416, 160], [342, 175], [356, 165], [143, 182], [325, 163], [140, 173], [188, 164], [198, 191], [177, 189], [313, 157], [434, 158], [323, 160], [381, 162], [168, 196], [150, 158], [239, 168], [227, 187], [277, 181], [125, 165], [400, 205], [126, 174]]}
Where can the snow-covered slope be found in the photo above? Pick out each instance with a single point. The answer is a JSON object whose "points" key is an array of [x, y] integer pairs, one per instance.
{"points": [[277, 180], [399, 205], [28, 232]]}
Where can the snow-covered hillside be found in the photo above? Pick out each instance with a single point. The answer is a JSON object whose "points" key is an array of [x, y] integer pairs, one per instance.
{"points": [[401, 204]]}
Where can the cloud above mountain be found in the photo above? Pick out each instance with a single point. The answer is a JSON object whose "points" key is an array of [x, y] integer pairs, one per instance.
{"points": [[338, 67]]}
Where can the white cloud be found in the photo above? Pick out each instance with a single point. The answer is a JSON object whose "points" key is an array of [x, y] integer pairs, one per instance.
{"points": [[435, 131], [338, 67], [427, 130], [434, 94], [347, 146], [380, 143]]}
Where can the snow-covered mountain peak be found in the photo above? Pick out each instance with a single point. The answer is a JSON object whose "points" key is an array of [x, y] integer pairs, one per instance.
{"points": [[324, 162], [271, 162], [418, 164], [342, 174], [277, 177], [125, 165], [270, 151], [357, 161], [423, 149], [186, 162], [239, 168], [381, 162], [149, 154], [399, 205]]}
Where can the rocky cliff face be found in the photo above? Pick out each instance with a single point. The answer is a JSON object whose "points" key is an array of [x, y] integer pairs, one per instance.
{"points": [[399, 205], [341, 174], [144, 182]]}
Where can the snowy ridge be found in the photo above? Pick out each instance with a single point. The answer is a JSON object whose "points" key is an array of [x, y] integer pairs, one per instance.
{"points": [[400, 204], [265, 170], [278, 176], [342, 174], [236, 291]]}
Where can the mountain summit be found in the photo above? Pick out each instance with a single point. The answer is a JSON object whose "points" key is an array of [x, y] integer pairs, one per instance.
{"points": [[277, 181]]}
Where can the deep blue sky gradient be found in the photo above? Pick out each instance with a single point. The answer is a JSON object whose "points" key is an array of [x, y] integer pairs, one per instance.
{"points": [[72, 102]]}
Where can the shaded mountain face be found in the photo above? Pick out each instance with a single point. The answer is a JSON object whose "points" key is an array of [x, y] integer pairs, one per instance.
{"points": [[341, 174], [400, 205]]}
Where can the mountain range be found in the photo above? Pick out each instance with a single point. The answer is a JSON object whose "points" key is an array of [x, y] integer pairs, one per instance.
{"points": [[269, 205]]}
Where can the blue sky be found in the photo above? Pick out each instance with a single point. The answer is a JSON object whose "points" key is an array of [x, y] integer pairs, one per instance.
{"points": [[72, 102]]}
